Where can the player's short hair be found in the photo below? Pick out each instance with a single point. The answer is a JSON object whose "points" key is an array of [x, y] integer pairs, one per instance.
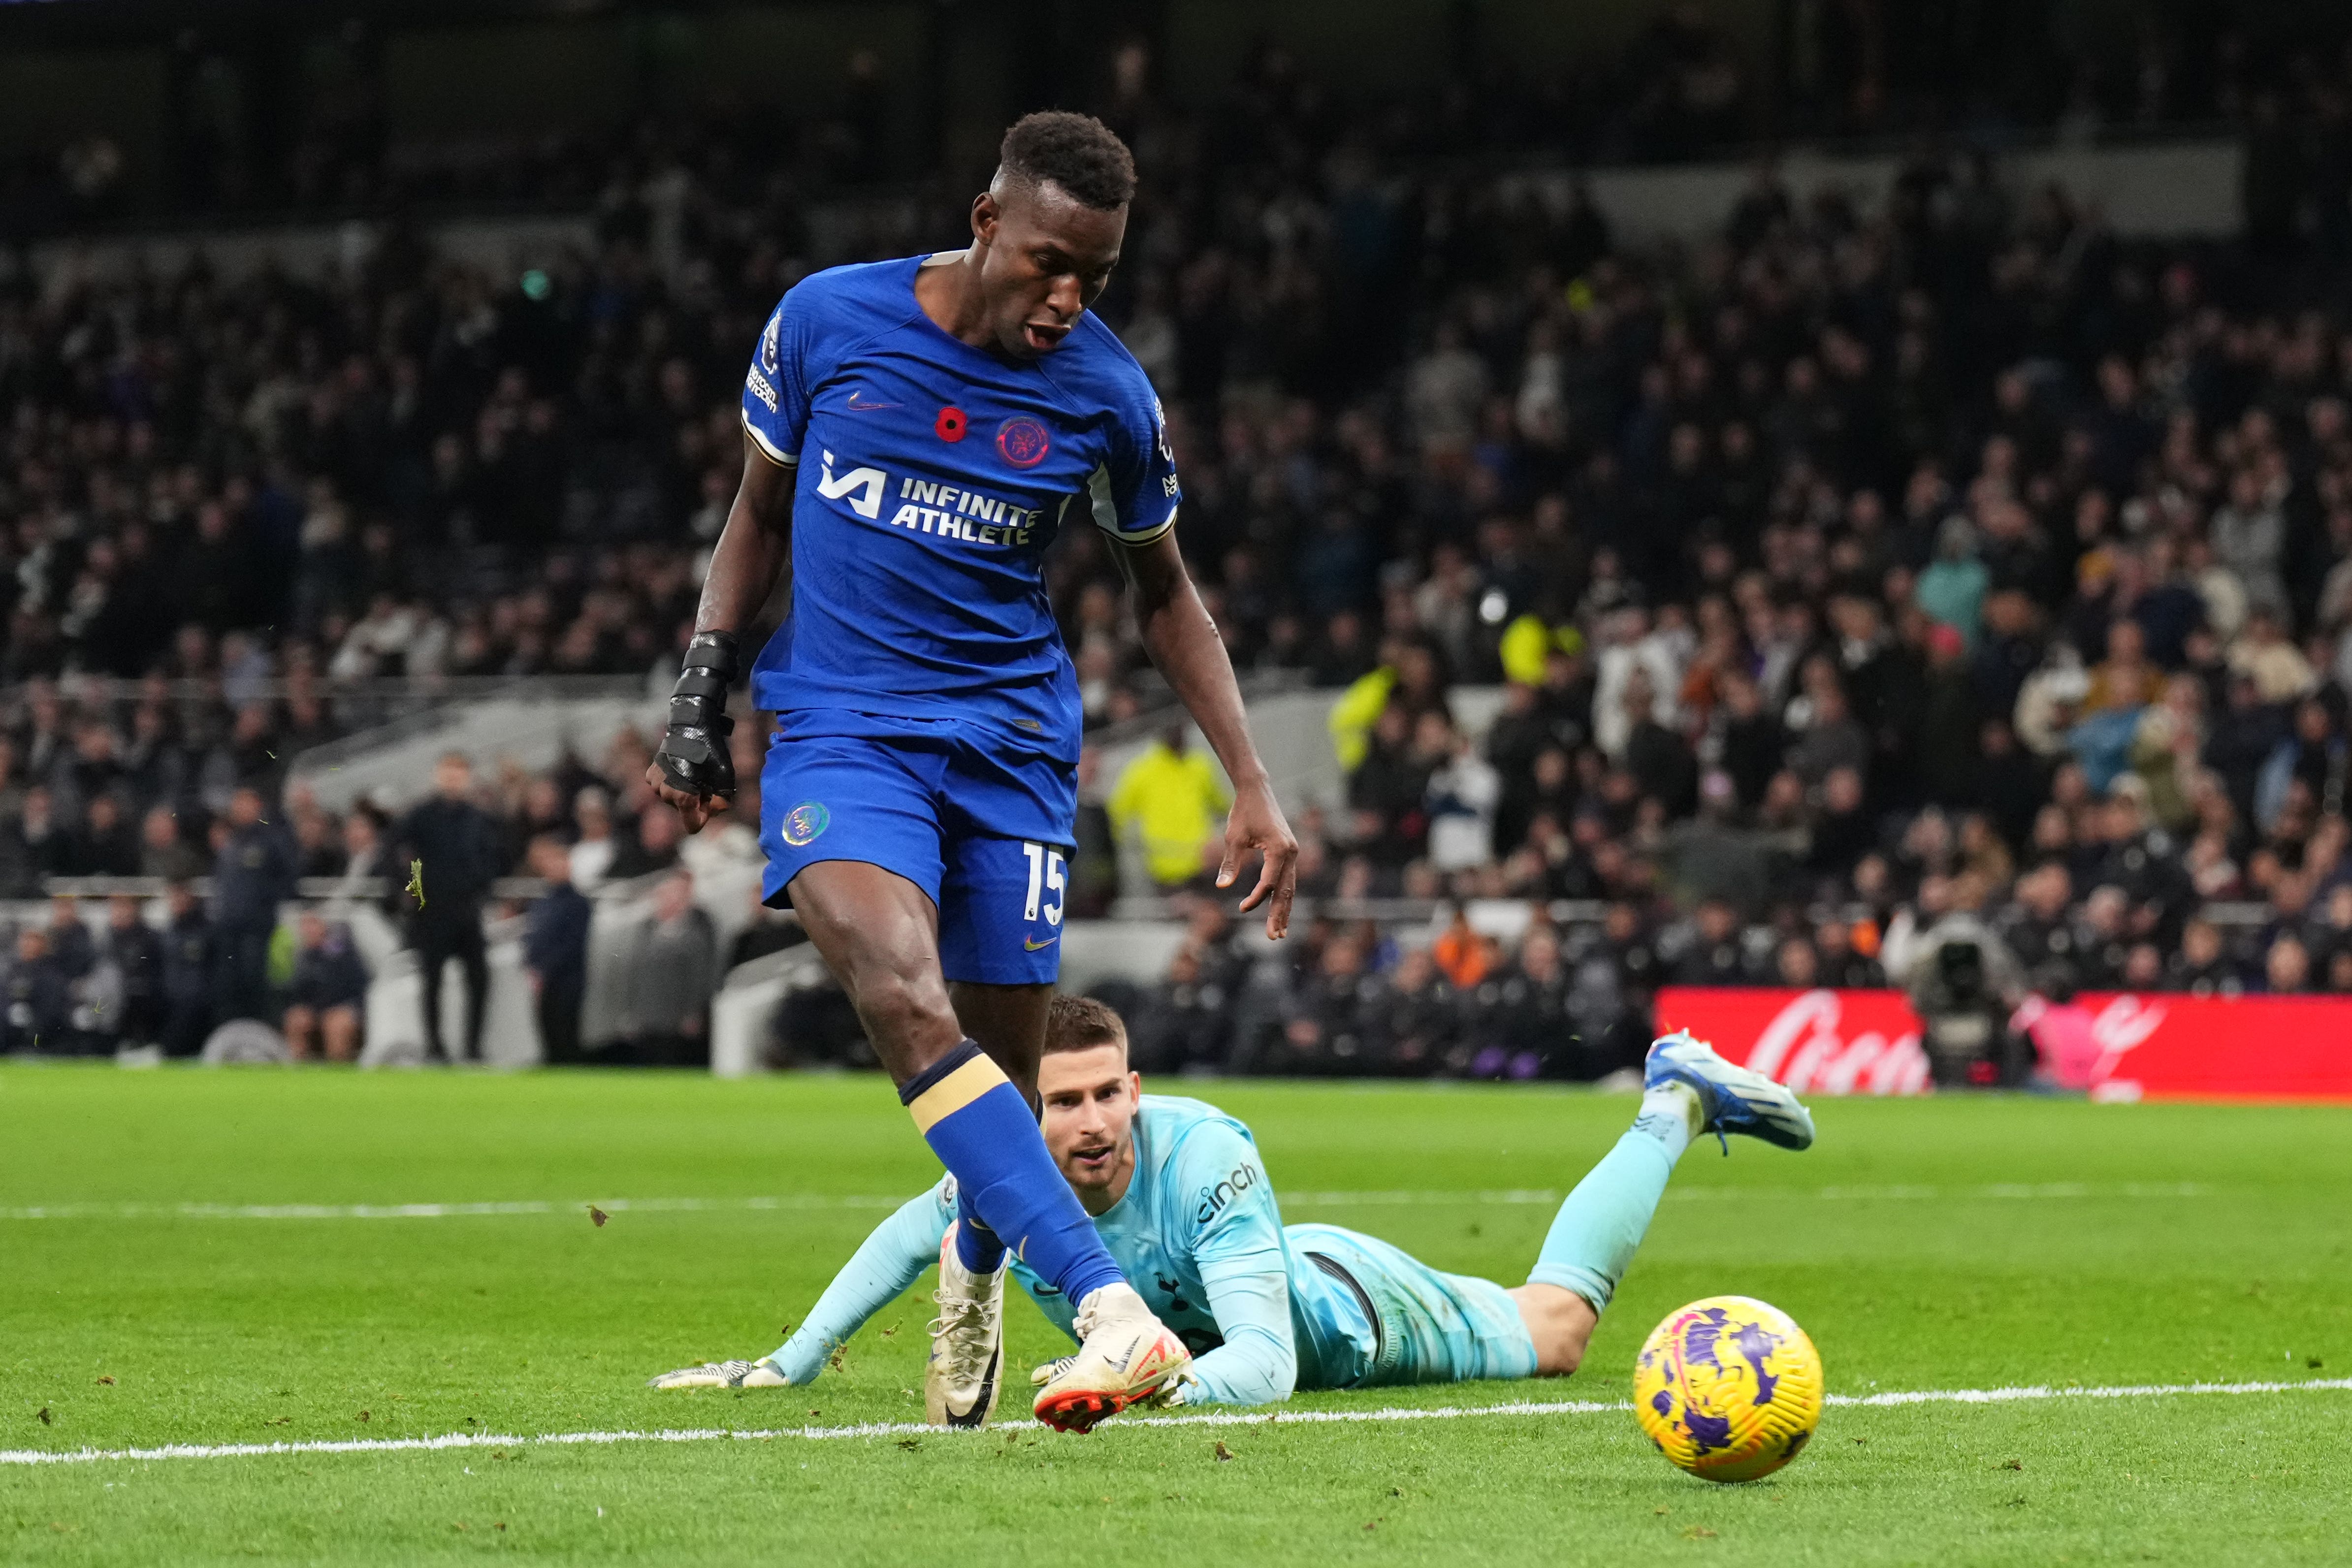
{"points": [[1082, 1023], [1076, 152]]}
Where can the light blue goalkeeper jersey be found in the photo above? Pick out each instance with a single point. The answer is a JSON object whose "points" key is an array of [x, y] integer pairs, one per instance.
{"points": [[1198, 1233]]}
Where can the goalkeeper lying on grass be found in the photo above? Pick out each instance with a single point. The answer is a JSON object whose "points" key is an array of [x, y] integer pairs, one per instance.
{"points": [[1182, 1200]]}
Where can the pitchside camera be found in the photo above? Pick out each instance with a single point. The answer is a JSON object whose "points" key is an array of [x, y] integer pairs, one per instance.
{"points": [[1960, 1016]]}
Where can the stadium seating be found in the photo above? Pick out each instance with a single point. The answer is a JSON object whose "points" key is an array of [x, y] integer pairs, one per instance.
{"points": [[1924, 540]]}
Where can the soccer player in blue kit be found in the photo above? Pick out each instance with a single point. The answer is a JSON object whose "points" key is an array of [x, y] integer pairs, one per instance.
{"points": [[918, 432], [1179, 1194]]}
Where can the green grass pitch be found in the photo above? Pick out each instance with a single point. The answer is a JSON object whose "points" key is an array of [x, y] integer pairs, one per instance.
{"points": [[1936, 1244]]}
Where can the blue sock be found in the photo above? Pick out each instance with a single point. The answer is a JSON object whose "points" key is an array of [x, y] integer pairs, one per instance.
{"points": [[1592, 1239], [985, 1133], [981, 1249], [979, 1246]]}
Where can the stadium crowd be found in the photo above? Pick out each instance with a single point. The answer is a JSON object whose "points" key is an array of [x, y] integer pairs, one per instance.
{"points": [[1855, 570], [1677, 87]]}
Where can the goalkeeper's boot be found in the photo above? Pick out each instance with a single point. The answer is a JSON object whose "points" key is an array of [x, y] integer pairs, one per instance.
{"points": [[1734, 1100], [959, 1385], [1126, 1357], [723, 1375]]}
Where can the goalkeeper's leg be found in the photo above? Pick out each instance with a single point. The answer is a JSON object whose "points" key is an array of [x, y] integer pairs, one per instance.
{"points": [[1435, 1327], [1690, 1090], [1593, 1237]]}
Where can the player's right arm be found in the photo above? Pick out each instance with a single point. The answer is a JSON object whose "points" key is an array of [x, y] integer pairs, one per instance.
{"points": [[1235, 1243], [889, 1261], [694, 770]]}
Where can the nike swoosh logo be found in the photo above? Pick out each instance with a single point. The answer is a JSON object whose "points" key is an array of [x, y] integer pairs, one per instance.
{"points": [[976, 1412], [1035, 946], [857, 407]]}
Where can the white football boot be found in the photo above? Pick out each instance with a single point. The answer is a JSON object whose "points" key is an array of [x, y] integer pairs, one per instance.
{"points": [[723, 1374], [1733, 1098], [1126, 1357], [961, 1384]]}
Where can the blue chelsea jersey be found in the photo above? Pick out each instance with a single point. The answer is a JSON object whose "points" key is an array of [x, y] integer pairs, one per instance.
{"points": [[931, 476]]}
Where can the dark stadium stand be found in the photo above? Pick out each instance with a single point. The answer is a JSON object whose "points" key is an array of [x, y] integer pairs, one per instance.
{"points": [[1856, 569]]}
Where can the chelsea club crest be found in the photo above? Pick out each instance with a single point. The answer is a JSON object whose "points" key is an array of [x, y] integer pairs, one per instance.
{"points": [[804, 822]]}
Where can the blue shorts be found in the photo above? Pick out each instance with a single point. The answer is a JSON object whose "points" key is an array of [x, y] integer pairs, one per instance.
{"points": [[1432, 1327], [984, 829]]}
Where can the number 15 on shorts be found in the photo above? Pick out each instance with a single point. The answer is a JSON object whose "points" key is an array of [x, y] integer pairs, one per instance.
{"points": [[1048, 876]]}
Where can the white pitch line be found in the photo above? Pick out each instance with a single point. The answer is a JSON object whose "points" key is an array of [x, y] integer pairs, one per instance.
{"points": [[1205, 1419], [1538, 1196]]}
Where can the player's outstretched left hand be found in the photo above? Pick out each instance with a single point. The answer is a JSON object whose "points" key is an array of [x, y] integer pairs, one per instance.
{"points": [[1256, 823]]}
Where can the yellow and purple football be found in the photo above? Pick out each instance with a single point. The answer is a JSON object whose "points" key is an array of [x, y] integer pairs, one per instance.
{"points": [[1729, 1388]]}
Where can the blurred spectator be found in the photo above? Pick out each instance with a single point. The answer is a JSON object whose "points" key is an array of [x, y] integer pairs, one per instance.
{"points": [[327, 1002], [1714, 957], [1520, 1019], [672, 972], [555, 951], [653, 847], [1952, 589], [1328, 1024], [1796, 963], [135, 950], [191, 972], [1093, 860], [1170, 801], [163, 852], [594, 850], [2263, 654], [1463, 793], [318, 837], [1841, 964], [2286, 968], [367, 857], [39, 999], [106, 844], [37, 847], [1841, 831], [70, 943], [253, 875], [2200, 967], [455, 853], [1635, 974], [1187, 1022], [2039, 927], [1753, 743], [1460, 953], [1422, 1019]]}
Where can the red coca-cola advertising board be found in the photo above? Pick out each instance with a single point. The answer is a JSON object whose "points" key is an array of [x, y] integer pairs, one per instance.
{"points": [[2157, 1044]]}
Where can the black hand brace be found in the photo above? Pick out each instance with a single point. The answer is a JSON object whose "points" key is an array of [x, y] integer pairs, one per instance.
{"points": [[694, 756]]}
